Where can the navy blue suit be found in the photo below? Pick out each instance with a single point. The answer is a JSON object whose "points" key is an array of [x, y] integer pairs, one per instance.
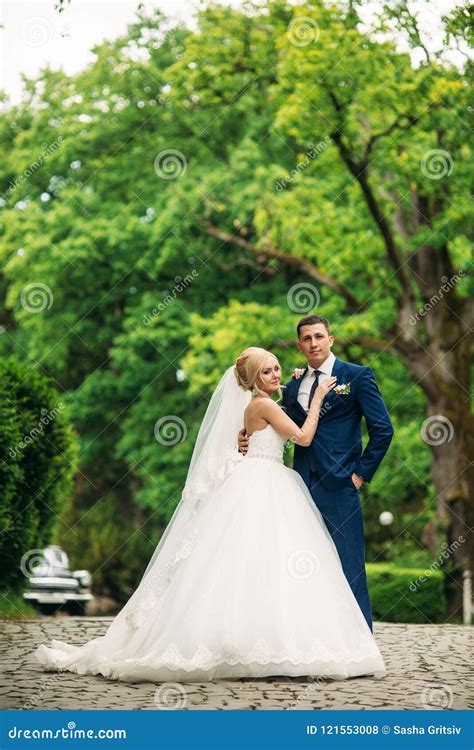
{"points": [[327, 465]]}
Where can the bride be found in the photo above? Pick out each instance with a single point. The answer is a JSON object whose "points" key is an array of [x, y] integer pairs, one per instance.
{"points": [[246, 580]]}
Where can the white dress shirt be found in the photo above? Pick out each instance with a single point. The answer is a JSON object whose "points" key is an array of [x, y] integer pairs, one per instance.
{"points": [[325, 369]]}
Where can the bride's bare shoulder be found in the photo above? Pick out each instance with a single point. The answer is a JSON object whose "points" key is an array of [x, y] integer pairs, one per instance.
{"points": [[256, 404], [259, 406], [255, 415]]}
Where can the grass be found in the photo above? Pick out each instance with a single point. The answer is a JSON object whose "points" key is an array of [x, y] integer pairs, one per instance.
{"points": [[14, 607]]}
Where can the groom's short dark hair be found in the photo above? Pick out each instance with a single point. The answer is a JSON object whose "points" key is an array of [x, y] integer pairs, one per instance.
{"points": [[311, 320]]}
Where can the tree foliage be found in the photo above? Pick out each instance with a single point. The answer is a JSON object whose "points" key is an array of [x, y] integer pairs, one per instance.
{"points": [[197, 191]]}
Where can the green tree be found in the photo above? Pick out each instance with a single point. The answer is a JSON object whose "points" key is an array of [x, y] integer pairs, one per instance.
{"points": [[381, 217], [175, 195]]}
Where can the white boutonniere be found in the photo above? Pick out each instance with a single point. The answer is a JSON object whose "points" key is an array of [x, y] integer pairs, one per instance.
{"points": [[342, 390]]}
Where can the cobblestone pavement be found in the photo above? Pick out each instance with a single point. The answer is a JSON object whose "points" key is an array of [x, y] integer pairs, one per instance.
{"points": [[428, 666]]}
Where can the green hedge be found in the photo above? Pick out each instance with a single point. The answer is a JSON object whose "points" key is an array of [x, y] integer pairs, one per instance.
{"points": [[406, 594], [37, 457]]}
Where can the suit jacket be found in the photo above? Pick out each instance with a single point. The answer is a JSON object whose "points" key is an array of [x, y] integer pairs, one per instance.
{"points": [[336, 450]]}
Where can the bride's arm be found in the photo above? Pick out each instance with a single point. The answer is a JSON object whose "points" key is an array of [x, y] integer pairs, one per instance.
{"points": [[272, 413]]}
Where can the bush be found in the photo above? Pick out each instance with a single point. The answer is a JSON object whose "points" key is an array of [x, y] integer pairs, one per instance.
{"points": [[37, 457], [406, 594]]}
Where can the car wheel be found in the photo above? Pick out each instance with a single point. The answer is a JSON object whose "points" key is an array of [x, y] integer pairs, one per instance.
{"points": [[48, 609], [76, 609]]}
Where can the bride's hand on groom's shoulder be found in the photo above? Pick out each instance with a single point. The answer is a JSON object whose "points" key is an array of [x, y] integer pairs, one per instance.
{"points": [[297, 372]]}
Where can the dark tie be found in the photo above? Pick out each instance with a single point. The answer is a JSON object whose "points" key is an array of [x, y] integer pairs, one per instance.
{"points": [[316, 374]]}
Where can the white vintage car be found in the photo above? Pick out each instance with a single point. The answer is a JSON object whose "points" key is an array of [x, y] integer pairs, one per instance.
{"points": [[53, 586]]}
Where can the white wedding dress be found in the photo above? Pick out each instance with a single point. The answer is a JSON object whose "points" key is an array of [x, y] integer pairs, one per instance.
{"points": [[256, 589]]}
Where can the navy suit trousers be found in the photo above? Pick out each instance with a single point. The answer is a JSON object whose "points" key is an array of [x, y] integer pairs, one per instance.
{"points": [[342, 512]]}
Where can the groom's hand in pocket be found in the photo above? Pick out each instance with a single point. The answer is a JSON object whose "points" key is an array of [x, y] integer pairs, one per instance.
{"points": [[357, 481], [243, 441]]}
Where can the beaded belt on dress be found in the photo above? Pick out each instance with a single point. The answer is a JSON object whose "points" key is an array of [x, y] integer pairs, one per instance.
{"points": [[262, 454]]}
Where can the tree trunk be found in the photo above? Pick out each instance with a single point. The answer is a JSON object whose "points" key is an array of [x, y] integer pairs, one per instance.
{"points": [[435, 347], [452, 477]]}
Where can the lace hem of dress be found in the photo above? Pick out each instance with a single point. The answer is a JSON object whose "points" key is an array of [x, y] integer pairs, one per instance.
{"points": [[204, 660]]}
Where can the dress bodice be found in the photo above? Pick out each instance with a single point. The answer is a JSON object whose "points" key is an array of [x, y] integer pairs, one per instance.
{"points": [[266, 443]]}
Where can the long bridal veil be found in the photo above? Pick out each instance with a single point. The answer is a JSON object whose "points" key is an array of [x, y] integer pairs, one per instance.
{"points": [[214, 456]]}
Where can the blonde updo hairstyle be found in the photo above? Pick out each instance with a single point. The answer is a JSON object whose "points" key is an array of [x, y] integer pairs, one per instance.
{"points": [[248, 366]]}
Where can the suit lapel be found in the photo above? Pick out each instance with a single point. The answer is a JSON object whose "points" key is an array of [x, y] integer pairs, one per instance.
{"points": [[337, 369], [332, 398]]}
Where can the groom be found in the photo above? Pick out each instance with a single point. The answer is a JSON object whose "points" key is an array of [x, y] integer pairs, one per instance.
{"points": [[334, 466]]}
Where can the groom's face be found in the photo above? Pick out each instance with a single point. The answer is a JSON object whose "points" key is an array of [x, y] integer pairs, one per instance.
{"points": [[315, 343]]}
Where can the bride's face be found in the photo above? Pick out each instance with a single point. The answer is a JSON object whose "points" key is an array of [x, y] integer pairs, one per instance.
{"points": [[269, 376]]}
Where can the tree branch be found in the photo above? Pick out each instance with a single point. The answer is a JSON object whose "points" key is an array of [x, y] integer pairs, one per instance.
{"points": [[396, 124], [408, 22], [358, 169], [301, 264]]}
